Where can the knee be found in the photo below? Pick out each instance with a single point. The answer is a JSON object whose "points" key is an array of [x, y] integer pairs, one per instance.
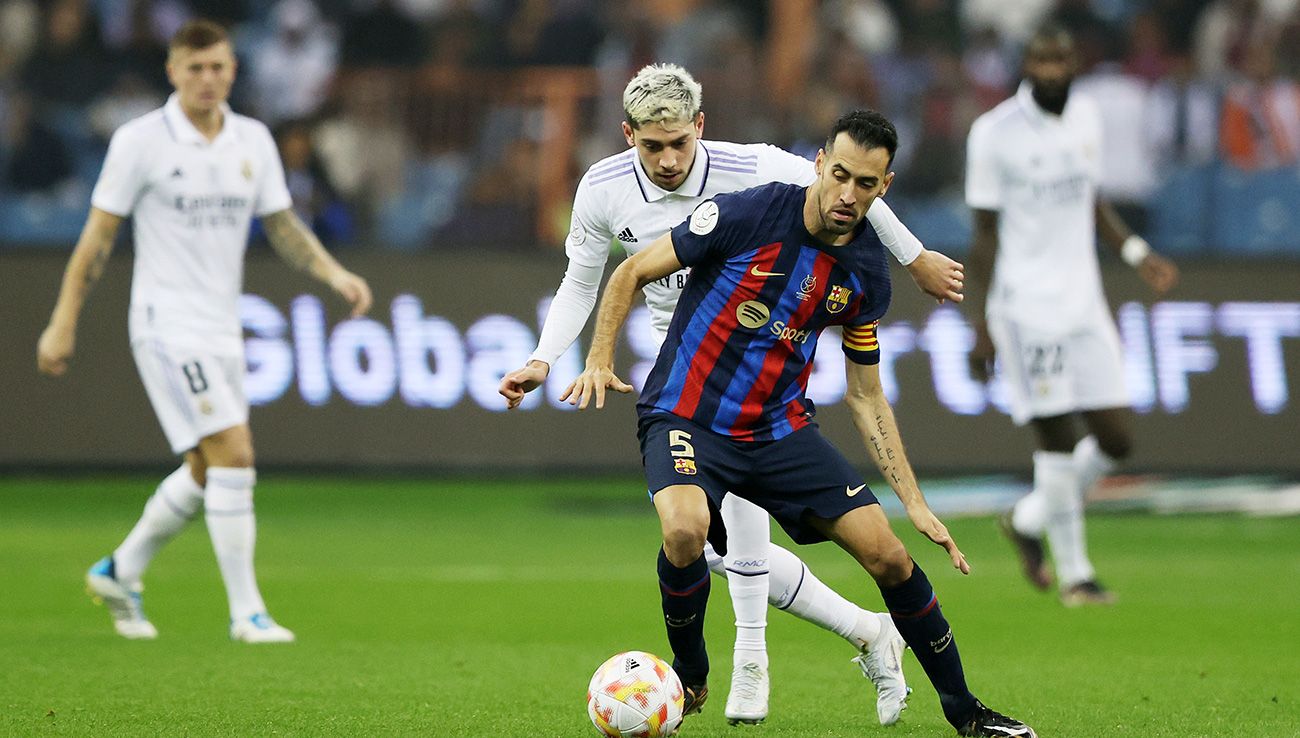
{"points": [[684, 539], [889, 563]]}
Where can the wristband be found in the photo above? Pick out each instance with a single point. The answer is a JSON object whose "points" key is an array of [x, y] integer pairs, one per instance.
{"points": [[1134, 250]]}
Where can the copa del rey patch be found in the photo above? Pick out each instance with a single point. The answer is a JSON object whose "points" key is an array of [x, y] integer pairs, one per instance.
{"points": [[705, 218]]}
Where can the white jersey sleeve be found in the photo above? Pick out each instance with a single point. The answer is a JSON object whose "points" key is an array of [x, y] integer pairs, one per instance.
{"points": [[590, 233], [122, 179], [779, 165], [983, 180], [272, 191], [587, 247], [569, 311], [893, 234]]}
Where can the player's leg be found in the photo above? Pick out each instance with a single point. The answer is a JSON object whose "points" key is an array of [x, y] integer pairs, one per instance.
{"points": [[232, 527], [684, 584], [749, 537], [865, 534], [688, 472], [172, 506], [115, 580]]}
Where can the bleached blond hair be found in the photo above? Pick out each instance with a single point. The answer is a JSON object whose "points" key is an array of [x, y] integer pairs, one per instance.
{"points": [[661, 93]]}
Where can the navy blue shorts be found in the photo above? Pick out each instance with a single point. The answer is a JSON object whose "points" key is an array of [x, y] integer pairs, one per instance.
{"points": [[793, 478]]}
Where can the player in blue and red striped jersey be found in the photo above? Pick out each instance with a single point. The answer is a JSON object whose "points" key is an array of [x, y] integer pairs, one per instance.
{"points": [[725, 407]]}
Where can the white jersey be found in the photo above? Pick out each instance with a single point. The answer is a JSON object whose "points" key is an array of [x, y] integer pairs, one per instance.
{"points": [[616, 200], [1039, 172], [192, 201]]}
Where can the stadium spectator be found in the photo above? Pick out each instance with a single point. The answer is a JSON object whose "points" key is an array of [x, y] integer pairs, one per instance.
{"points": [[377, 33], [1182, 118], [291, 71], [1261, 114], [36, 159], [69, 65], [315, 199]]}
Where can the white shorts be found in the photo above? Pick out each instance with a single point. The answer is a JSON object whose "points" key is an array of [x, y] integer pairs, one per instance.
{"points": [[1054, 373], [194, 393]]}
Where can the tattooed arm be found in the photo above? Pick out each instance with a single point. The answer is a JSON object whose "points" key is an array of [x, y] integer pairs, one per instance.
{"points": [[874, 419], [297, 245], [85, 267]]}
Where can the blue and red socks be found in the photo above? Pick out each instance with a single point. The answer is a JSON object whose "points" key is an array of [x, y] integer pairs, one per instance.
{"points": [[684, 594], [915, 610]]}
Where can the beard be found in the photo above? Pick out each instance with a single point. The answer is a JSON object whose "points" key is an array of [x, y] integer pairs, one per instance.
{"points": [[1052, 98]]}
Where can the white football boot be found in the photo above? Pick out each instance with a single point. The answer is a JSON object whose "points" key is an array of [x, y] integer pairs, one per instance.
{"points": [[124, 603], [882, 663], [747, 702], [259, 628]]}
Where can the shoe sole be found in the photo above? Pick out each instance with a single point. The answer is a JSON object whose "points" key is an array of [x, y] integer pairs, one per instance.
{"points": [[745, 721]]}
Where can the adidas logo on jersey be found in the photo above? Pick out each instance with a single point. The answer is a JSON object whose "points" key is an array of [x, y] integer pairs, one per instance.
{"points": [[626, 236]]}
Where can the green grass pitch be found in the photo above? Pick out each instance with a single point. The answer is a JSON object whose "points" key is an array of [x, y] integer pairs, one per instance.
{"points": [[474, 608]]}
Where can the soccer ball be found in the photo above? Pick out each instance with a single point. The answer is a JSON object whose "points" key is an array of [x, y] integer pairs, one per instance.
{"points": [[635, 695]]}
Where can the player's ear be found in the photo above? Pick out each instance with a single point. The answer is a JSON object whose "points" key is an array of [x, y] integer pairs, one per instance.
{"points": [[820, 162], [884, 187], [699, 124], [627, 134]]}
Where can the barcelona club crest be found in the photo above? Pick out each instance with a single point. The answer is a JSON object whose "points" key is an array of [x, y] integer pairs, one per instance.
{"points": [[837, 299], [684, 466]]}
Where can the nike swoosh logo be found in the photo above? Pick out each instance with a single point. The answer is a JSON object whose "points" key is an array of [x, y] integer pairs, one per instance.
{"points": [[852, 491], [760, 273]]}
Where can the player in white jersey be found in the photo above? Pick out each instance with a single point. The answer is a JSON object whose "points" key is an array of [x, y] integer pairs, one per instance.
{"points": [[638, 195], [191, 175], [1031, 177]]}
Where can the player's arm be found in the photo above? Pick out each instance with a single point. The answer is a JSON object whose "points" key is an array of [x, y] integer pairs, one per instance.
{"points": [[85, 267], [567, 316], [983, 254], [934, 273], [301, 249], [655, 262], [1158, 272], [875, 422]]}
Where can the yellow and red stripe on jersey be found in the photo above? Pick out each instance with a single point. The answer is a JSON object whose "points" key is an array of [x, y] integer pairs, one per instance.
{"points": [[862, 337]]}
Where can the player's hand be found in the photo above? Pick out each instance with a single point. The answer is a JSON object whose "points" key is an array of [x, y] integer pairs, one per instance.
{"points": [[593, 382], [931, 528], [54, 349], [1158, 272], [982, 353], [938, 276], [354, 289], [521, 381]]}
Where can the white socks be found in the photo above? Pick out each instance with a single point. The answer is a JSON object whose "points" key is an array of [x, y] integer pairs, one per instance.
{"points": [[169, 509], [749, 538], [787, 585], [1057, 481], [1091, 464], [229, 513], [798, 591]]}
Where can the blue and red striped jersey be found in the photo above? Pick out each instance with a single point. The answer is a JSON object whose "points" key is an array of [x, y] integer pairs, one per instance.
{"points": [[742, 339]]}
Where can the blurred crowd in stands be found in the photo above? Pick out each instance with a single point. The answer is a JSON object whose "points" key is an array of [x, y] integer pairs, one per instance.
{"points": [[435, 124]]}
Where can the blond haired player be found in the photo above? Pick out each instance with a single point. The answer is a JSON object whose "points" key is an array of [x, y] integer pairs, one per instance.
{"points": [[633, 198], [192, 175]]}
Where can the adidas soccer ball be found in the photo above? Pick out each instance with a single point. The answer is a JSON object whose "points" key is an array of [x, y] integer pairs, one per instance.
{"points": [[635, 695]]}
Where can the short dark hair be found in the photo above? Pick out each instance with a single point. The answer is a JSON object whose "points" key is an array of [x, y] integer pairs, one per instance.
{"points": [[1050, 30], [868, 129], [198, 34]]}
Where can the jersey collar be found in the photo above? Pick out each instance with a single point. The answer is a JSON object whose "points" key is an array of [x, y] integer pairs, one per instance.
{"points": [[1035, 112], [184, 131], [692, 186]]}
